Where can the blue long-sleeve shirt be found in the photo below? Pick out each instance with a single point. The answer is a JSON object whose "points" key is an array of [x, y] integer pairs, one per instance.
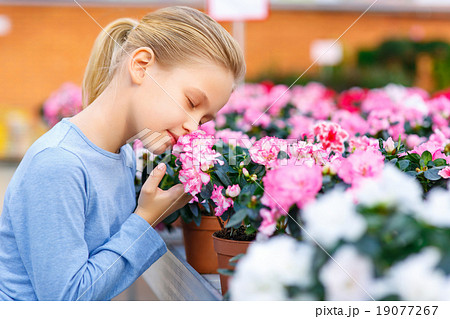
{"points": [[67, 229]]}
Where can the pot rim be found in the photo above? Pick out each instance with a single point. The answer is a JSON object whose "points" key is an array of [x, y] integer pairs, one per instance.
{"points": [[232, 240]]}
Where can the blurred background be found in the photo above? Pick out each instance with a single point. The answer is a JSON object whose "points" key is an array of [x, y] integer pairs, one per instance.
{"points": [[45, 45]]}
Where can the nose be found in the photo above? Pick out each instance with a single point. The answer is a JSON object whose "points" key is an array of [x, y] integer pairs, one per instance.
{"points": [[191, 124]]}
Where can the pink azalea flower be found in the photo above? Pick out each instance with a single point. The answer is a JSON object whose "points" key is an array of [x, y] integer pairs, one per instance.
{"points": [[137, 145], [432, 147], [445, 172], [236, 138], [269, 222], [331, 135], [64, 102], [352, 123], [279, 96], [414, 140], [439, 138], [209, 128], [362, 143], [193, 180], [360, 165], [262, 119], [440, 106], [302, 126], [196, 155], [222, 202], [314, 99], [335, 163], [291, 184], [351, 99], [265, 151], [308, 154], [233, 190]]}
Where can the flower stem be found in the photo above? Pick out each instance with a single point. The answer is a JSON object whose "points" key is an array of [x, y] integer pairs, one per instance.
{"points": [[220, 222]]}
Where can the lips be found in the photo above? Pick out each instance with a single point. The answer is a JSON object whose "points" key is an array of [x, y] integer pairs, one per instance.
{"points": [[173, 137]]}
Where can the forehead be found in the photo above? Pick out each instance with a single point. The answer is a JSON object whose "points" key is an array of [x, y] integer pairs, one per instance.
{"points": [[209, 82]]}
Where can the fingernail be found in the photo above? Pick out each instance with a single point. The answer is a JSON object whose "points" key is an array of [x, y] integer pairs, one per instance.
{"points": [[160, 166]]}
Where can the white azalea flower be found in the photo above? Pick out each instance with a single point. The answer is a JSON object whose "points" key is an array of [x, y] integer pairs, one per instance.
{"points": [[393, 189], [333, 217], [437, 208], [348, 277], [268, 267], [416, 278]]}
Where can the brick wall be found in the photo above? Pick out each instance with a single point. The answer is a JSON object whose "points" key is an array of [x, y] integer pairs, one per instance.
{"points": [[50, 45]]}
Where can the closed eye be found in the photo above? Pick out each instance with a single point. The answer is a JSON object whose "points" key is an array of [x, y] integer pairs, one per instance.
{"points": [[191, 104]]}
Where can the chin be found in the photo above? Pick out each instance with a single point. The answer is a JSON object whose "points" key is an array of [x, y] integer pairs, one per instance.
{"points": [[159, 149]]}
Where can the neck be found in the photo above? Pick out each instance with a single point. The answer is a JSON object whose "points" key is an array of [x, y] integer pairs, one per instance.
{"points": [[104, 121]]}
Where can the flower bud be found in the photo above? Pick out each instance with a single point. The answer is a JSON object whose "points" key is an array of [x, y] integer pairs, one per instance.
{"points": [[326, 169], [241, 165], [245, 172], [447, 149], [233, 191], [389, 145], [254, 177]]}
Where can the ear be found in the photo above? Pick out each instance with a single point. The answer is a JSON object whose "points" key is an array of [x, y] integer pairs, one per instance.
{"points": [[141, 59]]}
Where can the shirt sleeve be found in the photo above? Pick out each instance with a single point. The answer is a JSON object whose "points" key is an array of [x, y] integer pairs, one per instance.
{"points": [[48, 218]]}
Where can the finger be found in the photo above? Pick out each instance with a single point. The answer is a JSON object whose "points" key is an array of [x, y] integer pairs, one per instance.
{"points": [[155, 177]]}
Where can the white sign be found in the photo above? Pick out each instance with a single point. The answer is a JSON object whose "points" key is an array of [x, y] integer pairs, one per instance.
{"points": [[5, 25], [238, 10], [328, 52]]}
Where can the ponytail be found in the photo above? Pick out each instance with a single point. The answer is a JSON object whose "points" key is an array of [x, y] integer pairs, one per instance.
{"points": [[104, 58]]}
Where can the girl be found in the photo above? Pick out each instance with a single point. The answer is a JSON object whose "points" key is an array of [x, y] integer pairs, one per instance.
{"points": [[70, 227]]}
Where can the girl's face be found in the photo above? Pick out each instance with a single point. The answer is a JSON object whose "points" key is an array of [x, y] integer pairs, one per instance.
{"points": [[174, 102]]}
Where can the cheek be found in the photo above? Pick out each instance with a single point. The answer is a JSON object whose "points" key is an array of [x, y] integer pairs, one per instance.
{"points": [[163, 116]]}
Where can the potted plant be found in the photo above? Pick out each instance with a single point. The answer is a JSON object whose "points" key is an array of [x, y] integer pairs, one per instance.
{"points": [[395, 249]]}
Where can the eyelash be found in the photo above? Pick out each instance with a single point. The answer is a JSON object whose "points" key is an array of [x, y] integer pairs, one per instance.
{"points": [[191, 104]]}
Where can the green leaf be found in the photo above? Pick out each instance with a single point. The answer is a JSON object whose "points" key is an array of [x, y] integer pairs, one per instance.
{"points": [[422, 163], [426, 157], [169, 170], [194, 209], [381, 144], [393, 161], [250, 230], [225, 167], [282, 155], [206, 206], [223, 177], [440, 162], [259, 171], [432, 174], [413, 157], [249, 189], [236, 258], [238, 217], [206, 191], [292, 222], [403, 164], [198, 219], [171, 218], [185, 215], [225, 272]]}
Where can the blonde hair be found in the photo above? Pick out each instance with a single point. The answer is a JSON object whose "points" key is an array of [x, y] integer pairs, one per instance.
{"points": [[176, 35]]}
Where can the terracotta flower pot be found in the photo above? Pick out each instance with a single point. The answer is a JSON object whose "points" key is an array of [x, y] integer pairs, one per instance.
{"points": [[198, 244], [227, 249]]}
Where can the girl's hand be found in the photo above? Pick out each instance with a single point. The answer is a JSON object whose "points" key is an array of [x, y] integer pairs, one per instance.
{"points": [[155, 204]]}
